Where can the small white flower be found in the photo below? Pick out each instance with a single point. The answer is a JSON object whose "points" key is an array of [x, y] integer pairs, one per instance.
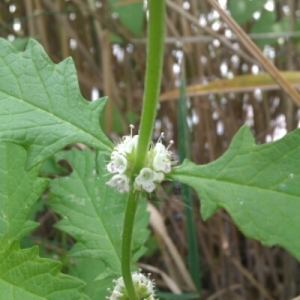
{"points": [[146, 180], [121, 181], [118, 163], [128, 143], [162, 158], [158, 163], [143, 285], [159, 148], [116, 295], [159, 177], [161, 163]]}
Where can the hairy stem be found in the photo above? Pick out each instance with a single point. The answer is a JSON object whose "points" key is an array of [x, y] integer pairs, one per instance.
{"points": [[155, 48], [126, 243]]}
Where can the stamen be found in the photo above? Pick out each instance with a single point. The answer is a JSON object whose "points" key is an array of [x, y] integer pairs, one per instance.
{"points": [[162, 135], [131, 128], [170, 144]]}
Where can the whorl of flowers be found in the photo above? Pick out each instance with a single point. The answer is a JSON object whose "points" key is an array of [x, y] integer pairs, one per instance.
{"points": [[144, 287], [158, 163]]}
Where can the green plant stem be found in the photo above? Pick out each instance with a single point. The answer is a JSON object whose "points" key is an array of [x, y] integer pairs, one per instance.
{"points": [[126, 243], [155, 48]]}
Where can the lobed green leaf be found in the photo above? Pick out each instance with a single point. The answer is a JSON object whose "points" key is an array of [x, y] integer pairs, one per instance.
{"points": [[41, 106], [93, 213], [259, 186], [19, 190], [87, 269], [24, 275]]}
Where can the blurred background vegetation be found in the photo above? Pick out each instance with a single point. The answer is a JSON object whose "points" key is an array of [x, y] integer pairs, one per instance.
{"points": [[204, 101]]}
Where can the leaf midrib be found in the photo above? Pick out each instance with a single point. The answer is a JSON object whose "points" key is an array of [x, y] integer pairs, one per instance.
{"points": [[178, 176], [99, 216]]}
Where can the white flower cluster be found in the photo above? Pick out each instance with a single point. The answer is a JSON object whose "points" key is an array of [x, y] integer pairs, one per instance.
{"points": [[122, 158], [144, 287]]}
